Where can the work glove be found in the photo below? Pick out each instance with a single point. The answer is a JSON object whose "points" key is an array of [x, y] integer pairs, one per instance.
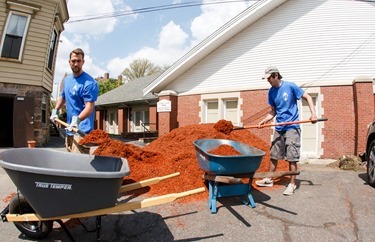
{"points": [[73, 124], [53, 115]]}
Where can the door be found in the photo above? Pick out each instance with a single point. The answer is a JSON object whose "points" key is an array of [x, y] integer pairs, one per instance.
{"points": [[140, 120], [6, 122], [23, 121], [309, 133], [112, 121]]}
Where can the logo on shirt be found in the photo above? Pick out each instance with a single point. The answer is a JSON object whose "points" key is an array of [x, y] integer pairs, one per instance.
{"points": [[285, 96], [74, 90]]}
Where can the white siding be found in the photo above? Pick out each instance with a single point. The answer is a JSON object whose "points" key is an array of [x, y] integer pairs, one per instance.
{"points": [[312, 42]]}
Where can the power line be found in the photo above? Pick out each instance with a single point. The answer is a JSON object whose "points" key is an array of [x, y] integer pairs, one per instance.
{"points": [[150, 9]]}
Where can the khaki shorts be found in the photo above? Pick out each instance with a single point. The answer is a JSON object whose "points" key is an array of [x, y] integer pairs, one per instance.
{"points": [[71, 144], [286, 145]]}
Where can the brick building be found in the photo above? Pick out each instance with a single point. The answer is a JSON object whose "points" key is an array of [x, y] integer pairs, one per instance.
{"points": [[324, 46]]}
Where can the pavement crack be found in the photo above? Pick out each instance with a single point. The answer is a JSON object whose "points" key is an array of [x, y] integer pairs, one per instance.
{"points": [[285, 222], [350, 207]]}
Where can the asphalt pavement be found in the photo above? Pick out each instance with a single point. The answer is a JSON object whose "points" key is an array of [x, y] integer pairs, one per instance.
{"points": [[329, 205]]}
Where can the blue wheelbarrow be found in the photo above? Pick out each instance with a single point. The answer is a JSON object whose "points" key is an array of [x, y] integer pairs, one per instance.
{"points": [[224, 173]]}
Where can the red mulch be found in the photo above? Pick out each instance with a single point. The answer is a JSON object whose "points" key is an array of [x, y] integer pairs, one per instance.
{"points": [[175, 152]]}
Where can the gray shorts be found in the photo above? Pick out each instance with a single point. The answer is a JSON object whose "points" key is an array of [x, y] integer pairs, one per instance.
{"points": [[286, 145]]}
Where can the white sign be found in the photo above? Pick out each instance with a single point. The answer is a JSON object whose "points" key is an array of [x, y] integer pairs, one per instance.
{"points": [[163, 106]]}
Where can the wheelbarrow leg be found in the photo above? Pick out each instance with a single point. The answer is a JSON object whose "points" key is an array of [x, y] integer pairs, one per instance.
{"points": [[251, 202], [213, 196], [249, 196], [98, 227], [248, 199], [66, 230], [210, 191]]}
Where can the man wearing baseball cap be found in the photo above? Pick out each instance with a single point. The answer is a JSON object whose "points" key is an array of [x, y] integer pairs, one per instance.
{"points": [[283, 97]]}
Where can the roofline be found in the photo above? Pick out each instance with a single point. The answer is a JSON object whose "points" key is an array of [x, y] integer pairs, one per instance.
{"points": [[216, 39], [126, 103]]}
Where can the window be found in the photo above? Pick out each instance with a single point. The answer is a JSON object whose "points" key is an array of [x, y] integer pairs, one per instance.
{"points": [[44, 108], [14, 36], [221, 109], [231, 111], [212, 112], [52, 49]]}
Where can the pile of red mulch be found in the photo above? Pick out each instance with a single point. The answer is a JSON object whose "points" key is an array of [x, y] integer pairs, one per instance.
{"points": [[175, 152], [224, 126], [225, 150]]}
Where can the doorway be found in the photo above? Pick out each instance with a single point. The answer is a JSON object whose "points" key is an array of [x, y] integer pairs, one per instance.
{"points": [[17, 122], [6, 122]]}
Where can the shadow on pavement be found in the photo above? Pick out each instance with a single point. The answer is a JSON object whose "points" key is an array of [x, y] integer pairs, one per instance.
{"points": [[363, 176], [143, 226]]}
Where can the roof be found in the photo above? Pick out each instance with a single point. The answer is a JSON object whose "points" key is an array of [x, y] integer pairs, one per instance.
{"points": [[129, 92], [219, 37]]}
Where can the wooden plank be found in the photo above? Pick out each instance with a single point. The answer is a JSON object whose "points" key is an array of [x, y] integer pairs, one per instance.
{"points": [[275, 174], [223, 179], [145, 183], [148, 202]]}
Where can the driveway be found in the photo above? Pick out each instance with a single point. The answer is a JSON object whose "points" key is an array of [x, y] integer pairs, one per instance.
{"points": [[329, 205]]}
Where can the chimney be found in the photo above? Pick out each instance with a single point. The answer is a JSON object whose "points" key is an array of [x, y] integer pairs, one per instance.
{"points": [[119, 78], [106, 76]]}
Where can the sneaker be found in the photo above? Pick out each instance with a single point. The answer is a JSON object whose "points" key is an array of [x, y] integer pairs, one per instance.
{"points": [[265, 182], [290, 189]]}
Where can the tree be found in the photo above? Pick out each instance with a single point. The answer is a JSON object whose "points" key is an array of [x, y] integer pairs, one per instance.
{"points": [[139, 68], [108, 85]]}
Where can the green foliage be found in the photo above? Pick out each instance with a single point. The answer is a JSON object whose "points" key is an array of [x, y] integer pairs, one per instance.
{"points": [[108, 85], [140, 68]]}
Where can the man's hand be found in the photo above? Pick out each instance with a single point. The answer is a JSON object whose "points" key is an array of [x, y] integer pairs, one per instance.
{"points": [[53, 115], [313, 118], [261, 123], [73, 124]]}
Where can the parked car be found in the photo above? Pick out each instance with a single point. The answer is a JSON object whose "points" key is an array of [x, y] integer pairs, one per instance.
{"points": [[370, 154]]}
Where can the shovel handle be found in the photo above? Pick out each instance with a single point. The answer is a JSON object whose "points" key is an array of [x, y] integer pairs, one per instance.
{"points": [[281, 124], [66, 125]]}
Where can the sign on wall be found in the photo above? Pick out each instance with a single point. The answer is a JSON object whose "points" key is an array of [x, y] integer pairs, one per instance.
{"points": [[163, 106]]}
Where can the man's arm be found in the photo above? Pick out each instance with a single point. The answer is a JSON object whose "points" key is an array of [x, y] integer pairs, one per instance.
{"points": [[86, 112], [271, 114], [309, 100], [60, 103]]}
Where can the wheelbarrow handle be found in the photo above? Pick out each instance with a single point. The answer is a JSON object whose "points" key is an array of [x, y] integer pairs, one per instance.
{"points": [[280, 124], [83, 134], [145, 183]]}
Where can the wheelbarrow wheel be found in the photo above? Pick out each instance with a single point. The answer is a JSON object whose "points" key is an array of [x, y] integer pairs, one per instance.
{"points": [[34, 229]]}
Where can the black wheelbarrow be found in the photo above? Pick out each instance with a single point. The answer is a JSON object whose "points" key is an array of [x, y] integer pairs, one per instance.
{"points": [[224, 173], [55, 185]]}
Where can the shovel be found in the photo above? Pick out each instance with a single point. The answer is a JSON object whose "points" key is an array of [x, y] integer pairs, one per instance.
{"points": [[83, 134], [280, 124], [80, 132]]}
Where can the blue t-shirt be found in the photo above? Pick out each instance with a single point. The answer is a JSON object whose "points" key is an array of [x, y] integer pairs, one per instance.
{"points": [[284, 99], [76, 91]]}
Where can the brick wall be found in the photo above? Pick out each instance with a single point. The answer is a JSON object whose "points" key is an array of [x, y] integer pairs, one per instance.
{"points": [[255, 107], [168, 120], [153, 118], [339, 130], [120, 120], [364, 111], [188, 110]]}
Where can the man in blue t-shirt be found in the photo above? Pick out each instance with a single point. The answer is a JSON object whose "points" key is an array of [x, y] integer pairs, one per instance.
{"points": [[283, 97], [79, 93]]}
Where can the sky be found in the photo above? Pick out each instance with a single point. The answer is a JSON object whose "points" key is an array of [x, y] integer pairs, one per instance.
{"points": [[114, 33]]}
